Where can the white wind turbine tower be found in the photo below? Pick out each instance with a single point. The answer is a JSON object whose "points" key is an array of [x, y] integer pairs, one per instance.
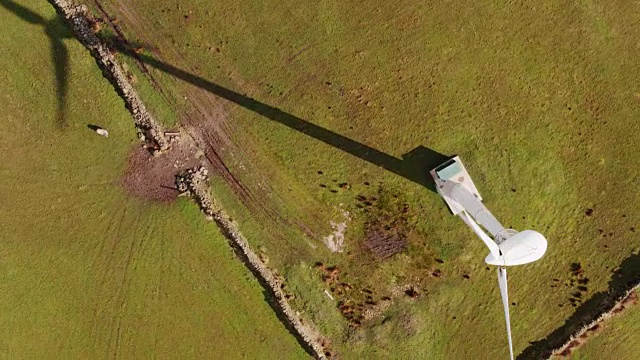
{"points": [[507, 247]]}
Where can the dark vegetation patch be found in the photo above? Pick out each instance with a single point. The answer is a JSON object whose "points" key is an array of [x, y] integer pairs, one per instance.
{"points": [[412, 292], [384, 245], [388, 223], [576, 283], [352, 300]]}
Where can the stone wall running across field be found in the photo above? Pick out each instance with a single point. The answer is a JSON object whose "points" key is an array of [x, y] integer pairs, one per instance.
{"points": [[77, 17], [194, 182], [623, 285], [581, 336]]}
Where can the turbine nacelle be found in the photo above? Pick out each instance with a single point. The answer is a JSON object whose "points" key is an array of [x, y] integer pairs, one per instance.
{"points": [[521, 248], [507, 246]]}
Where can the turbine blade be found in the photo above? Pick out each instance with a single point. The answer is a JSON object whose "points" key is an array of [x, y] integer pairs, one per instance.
{"points": [[502, 281], [493, 247]]}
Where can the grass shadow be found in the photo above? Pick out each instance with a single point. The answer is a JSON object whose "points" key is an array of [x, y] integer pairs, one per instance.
{"points": [[94, 127], [56, 31], [626, 276]]}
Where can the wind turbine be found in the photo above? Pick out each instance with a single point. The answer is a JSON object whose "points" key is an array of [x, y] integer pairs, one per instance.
{"points": [[508, 247]]}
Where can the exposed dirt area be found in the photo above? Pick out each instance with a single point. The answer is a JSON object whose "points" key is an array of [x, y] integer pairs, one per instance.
{"points": [[357, 303], [205, 129], [205, 121], [387, 223], [153, 177]]}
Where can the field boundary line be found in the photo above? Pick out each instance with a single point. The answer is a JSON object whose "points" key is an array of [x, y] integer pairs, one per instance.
{"points": [[579, 338], [148, 128], [588, 317], [195, 183]]}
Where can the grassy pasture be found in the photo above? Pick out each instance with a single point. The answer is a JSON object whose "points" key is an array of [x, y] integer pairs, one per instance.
{"points": [[617, 338], [86, 271], [540, 101]]}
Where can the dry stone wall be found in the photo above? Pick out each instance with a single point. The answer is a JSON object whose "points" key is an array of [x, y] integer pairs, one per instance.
{"points": [[194, 182], [78, 17], [575, 339]]}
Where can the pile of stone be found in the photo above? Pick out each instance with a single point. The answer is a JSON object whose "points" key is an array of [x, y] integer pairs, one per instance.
{"points": [[194, 182], [148, 128]]}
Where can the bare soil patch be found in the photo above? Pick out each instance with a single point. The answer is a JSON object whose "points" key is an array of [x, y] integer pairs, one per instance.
{"points": [[151, 177]]}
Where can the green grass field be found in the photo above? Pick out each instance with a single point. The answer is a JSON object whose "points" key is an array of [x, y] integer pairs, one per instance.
{"points": [[540, 102], [86, 271]]}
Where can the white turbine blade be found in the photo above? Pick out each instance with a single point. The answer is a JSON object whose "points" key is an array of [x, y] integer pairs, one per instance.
{"points": [[493, 247], [502, 281]]}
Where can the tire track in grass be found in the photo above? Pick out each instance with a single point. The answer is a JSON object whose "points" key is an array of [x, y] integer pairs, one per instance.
{"points": [[103, 265], [158, 288], [114, 265], [134, 253], [206, 124]]}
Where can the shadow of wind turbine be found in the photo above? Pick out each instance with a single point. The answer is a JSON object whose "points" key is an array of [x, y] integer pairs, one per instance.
{"points": [[56, 31], [413, 166]]}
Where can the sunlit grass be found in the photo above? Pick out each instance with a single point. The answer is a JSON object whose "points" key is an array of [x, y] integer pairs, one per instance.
{"points": [[540, 102], [87, 271]]}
